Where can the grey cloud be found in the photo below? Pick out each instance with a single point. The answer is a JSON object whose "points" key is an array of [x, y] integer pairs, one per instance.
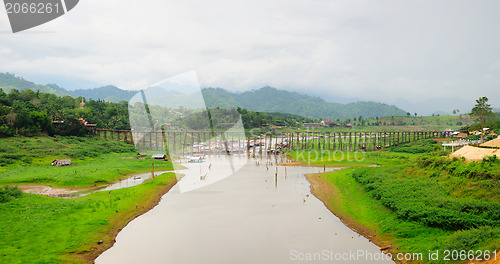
{"points": [[369, 50]]}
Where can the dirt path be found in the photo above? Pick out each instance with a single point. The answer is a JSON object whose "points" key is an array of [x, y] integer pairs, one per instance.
{"points": [[68, 192], [54, 191]]}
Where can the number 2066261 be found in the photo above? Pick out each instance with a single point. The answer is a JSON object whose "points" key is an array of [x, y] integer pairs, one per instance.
{"points": [[469, 255], [33, 8]]}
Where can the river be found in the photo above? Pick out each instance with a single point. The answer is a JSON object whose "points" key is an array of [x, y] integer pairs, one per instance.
{"points": [[262, 213]]}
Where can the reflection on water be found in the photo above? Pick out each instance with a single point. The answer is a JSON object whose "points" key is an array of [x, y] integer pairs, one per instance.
{"points": [[262, 214], [128, 182], [131, 181]]}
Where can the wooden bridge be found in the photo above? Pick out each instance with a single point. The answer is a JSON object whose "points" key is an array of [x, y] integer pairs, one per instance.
{"points": [[216, 142]]}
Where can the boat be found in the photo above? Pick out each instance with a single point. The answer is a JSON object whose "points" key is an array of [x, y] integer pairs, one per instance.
{"points": [[196, 159]]}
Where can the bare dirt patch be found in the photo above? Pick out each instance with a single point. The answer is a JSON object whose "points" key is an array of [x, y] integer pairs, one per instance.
{"points": [[471, 153]]}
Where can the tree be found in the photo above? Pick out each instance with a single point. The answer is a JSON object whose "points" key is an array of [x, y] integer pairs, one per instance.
{"points": [[482, 111], [415, 114], [71, 127], [408, 114]]}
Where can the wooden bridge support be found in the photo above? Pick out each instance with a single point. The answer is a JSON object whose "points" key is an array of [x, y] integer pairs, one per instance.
{"points": [[207, 142]]}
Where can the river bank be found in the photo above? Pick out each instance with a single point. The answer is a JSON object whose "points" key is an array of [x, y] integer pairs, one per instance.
{"points": [[332, 198], [40, 229], [416, 206], [131, 180], [150, 200]]}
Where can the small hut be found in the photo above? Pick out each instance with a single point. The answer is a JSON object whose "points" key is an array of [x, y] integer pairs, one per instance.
{"points": [[61, 162]]}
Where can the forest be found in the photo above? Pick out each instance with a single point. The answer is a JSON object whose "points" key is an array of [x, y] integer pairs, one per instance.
{"points": [[29, 113]]}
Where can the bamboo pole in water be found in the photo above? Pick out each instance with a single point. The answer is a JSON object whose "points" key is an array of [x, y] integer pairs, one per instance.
{"points": [[253, 148], [329, 141]]}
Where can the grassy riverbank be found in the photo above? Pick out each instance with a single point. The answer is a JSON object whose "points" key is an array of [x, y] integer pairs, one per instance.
{"points": [[393, 156], [39, 229], [419, 203], [94, 161]]}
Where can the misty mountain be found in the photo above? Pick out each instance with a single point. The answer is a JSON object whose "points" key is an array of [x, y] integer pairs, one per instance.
{"points": [[266, 99], [441, 106], [10, 81], [270, 99], [107, 93]]}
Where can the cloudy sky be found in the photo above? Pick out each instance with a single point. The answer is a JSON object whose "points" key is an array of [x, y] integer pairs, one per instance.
{"points": [[415, 54]]}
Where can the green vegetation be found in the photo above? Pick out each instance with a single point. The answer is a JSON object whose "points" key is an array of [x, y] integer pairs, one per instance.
{"points": [[107, 93], [27, 109], [494, 125], [482, 111], [419, 201], [268, 99], [400, 123], [252, 119], [424, 146], [427, 200], [39, 229], [335, 158], [351, 201], [94, 161], [8, 192], [387, 227], [28, 113], [10, 82], [220, 118]]}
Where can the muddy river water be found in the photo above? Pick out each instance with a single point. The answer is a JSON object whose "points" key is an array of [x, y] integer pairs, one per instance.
{"points": [[261, 213]]}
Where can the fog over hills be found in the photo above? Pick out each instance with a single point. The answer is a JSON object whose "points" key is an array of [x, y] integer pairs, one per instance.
{"points": [[266, 99]]}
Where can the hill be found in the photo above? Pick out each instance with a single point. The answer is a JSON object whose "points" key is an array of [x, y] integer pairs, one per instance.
{"points": [[107, 93], [9, 82], [270, 99], [266, 99]]}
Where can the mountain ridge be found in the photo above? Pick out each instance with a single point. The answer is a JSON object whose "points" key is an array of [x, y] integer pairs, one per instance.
{"points": [[269, 99], [266, 99]]}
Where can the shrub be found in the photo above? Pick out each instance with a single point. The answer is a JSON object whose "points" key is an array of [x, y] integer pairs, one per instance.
{"points": [[417, 147], [8, 192], [468, 239], [425, 201]]}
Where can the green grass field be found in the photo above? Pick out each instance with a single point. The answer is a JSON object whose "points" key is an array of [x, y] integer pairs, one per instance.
{"points": [[398, 124], [94, 161], [390, 156], [335, 158]]}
